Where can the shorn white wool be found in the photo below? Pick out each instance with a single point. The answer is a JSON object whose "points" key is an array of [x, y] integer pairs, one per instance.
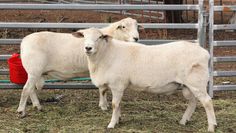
{"points": [[160, 69], [61, 56]]}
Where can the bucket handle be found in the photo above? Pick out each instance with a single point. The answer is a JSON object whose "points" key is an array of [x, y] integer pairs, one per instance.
{"points": [[15, 55]]}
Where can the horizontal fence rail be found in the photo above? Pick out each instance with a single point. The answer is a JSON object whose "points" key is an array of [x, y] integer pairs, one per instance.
{"points": [[147, 41], [224, 87], [98, 25], [224, 43], [4, 71], [96, 7], [225, 59], [225, 8], [224, 73], [52, 86], [10, 41], [4, 57], [224, 27]]}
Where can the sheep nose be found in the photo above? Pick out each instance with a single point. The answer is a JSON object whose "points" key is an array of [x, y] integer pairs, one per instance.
{"points": [[135, 39], [88, 48]]}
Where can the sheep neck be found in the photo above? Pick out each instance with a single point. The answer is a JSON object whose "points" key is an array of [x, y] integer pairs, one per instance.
{"points": [[100, 57]]}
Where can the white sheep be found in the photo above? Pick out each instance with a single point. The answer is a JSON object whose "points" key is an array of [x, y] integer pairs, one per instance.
{"points": [[61, 56], [161, 69]]}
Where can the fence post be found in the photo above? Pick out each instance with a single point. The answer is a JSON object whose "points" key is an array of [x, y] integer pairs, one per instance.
{"points": [[211, 38], [201, 24]]}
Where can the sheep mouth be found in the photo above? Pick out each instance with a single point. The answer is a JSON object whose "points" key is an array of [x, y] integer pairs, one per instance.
{"points": [[89, 53]]}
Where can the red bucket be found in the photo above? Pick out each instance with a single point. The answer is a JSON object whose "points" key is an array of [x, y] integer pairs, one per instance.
{"points": [[18, 74]]}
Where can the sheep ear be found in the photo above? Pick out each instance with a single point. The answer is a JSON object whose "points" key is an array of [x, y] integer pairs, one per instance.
{"points": [[119, 27], [106, 37], [140, 27], [78, 34]]}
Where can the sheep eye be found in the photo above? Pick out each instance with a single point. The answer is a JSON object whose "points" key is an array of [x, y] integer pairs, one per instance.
{"points": [[123, 27]]}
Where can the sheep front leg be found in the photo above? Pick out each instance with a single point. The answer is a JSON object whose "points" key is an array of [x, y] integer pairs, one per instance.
{"points": [[189, 111], [116, 99], [103, 98], [191, 105]]}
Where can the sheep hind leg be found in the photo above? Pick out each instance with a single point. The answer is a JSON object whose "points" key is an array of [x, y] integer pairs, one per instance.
{"points": [[196, 80], [26, 92], [103, 98], [191, 106], [33, 95], [206, 101]]}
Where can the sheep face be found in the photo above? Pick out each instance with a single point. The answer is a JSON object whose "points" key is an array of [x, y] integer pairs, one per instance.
{"points": [[92, 37], [127, 30]]}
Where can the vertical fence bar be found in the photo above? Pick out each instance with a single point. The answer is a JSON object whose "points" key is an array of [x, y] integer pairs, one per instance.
{"points": [[211, 38], [150, 14], [124, 11], [194, 13], [205, 24], [186, 11], [201, 30], [221, 13], [142, 12]]}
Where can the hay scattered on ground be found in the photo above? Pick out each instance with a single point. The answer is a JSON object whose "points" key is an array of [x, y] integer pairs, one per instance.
{"points": [[78, 111]]}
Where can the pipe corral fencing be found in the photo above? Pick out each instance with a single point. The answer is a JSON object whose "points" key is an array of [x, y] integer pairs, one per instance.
{"points": [[200, 26], [222, 43]]}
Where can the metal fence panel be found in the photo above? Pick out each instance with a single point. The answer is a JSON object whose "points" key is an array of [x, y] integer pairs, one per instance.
{"points": [[213, 27], [200, 26]]}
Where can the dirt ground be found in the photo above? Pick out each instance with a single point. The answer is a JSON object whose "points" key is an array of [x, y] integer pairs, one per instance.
{"points": [[77, 110]]}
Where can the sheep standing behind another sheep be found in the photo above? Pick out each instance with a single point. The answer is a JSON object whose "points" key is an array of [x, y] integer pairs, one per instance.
{"points": [[161, 69], [60, 55]]}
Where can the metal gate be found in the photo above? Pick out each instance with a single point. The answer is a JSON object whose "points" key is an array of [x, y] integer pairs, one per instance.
{"points": [[222, 43], [199, 26]]}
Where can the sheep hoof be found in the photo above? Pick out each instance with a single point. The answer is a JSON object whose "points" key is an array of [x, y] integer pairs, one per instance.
{"points": [[110, 126], [182, 122], [21, 114], [104, 108], [211, 128], [39, 107]]}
